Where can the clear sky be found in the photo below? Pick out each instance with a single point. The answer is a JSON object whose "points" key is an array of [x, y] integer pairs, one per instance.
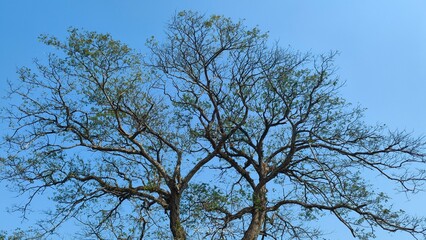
{"points": [[382, 45]]}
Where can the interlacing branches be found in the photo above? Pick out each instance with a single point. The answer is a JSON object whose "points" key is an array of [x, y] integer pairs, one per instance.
{"points": [[215, 134]]}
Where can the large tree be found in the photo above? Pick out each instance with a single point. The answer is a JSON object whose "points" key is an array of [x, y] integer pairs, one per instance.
{"points": [[215, 132]]}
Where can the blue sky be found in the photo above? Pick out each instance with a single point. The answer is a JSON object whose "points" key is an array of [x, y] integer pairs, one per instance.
{"points": [[382, 47]]}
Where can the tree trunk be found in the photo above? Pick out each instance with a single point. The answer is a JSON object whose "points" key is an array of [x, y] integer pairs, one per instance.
{"points": [[175, 224], [258, 214]]}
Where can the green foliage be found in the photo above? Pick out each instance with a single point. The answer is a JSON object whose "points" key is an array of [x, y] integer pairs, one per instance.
{"points": [[216, 134], [17, 234]]}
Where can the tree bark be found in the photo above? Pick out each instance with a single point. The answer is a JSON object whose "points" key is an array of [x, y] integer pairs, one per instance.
{"points": [[258, 214], [175, 223]]}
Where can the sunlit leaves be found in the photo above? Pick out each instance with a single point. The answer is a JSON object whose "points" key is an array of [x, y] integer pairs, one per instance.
{"points": [[217, 133]]}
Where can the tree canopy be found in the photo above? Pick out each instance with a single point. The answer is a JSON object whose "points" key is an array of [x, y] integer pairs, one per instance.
{"points": [[215, 133]]}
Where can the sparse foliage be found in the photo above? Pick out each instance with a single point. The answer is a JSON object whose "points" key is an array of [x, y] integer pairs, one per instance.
{"points": [[215, 134]]}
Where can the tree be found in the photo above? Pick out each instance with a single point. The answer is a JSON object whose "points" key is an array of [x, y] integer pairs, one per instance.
{"points": [[217, 134], [17, 234]]}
